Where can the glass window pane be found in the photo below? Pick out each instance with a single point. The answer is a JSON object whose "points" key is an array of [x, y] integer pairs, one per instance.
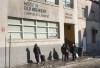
{"points": [[41, 36], [71, 4], [52, 30], [15, 35], [29, 29], [53, 35], [83, 12], [41, 30], [68, 3], [14, 21], [14, 28], [41, 24], [53, 1], [52, 25], [29, 35], [26, 22]]}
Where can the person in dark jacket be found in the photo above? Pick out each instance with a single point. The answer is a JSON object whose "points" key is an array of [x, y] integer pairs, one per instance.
{"points": [[65, 53], [37, 52], [74, 51], [62, 51]]}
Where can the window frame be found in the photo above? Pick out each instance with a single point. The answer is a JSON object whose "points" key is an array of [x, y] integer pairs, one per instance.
{"points": [[35, 27]]}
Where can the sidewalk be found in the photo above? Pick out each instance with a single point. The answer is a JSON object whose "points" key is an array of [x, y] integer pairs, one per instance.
{"points": [[51, 64]]}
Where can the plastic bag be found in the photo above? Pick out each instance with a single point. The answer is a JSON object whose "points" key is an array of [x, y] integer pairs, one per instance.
{"points": [[77, 55]]}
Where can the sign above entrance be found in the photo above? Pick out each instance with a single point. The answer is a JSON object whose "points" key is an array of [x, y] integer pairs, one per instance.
{"points": [[69, 16]]}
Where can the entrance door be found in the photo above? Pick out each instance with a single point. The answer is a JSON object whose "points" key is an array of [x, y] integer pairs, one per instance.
{"points": [[69, 33]]}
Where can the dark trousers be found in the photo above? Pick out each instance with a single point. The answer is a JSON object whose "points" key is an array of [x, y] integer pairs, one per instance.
{"points": [[37, 58], [66, 57], [63, 57], [74, 56]]}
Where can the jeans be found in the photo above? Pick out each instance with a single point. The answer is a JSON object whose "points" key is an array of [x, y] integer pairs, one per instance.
{"points": [[74, 56], [37, 58]]}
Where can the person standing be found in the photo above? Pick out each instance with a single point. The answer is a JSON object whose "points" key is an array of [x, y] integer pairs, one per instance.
{"points": [[74, 51], [64, 53], [67, 51], [37, 53]]}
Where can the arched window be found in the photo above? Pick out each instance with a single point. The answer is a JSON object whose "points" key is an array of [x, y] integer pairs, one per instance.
{"points": [[92, 15]]}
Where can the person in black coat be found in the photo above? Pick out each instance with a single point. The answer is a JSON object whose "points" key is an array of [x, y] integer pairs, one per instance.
{"points": [[74, 51], [37, 52], [65, 53]]}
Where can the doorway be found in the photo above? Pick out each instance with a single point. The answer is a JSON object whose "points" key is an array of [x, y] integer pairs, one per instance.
{"points": [[69, 36]]}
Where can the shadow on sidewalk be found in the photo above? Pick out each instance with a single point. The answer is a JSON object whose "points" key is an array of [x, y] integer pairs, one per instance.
{"points": [[50, 64]]}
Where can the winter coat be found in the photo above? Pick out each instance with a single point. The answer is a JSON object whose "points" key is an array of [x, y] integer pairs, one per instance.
{"points": [[74, 49], [36, 51]]}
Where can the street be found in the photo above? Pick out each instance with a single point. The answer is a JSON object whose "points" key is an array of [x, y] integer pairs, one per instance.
{"points": [[88, 63]]}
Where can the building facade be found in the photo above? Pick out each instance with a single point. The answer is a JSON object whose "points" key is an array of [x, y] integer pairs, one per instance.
{"points": [[48, 23], [89, 24]]}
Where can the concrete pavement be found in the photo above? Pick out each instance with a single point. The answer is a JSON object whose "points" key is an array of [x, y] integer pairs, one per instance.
{"points": [[87, 63], [53, 63]]}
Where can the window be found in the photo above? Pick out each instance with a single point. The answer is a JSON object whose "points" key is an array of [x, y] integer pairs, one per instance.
{"points": [[53, 30], [15, 28], [30, 29], [86, 12], [83, 13], [68, 3], [92, 15], [41, 30], [53, 1], [94, 31]]}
